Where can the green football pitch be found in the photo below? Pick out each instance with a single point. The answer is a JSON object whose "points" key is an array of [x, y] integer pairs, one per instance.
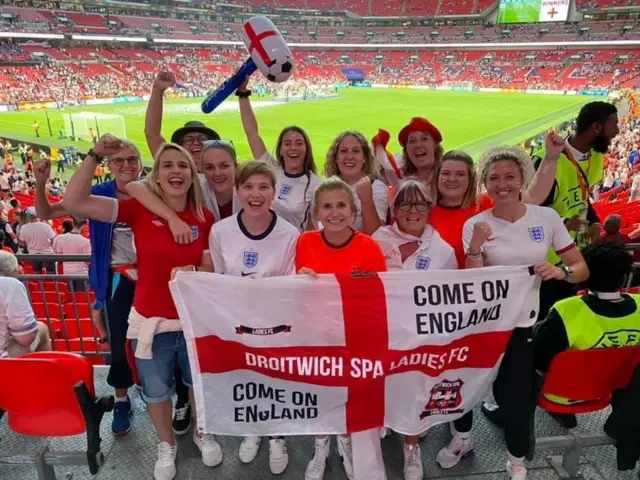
{"points": [[520, 12], [472, 121]]}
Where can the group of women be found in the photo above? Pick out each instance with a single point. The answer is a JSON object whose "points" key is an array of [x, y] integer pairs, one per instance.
{"points": [[200, 210]]}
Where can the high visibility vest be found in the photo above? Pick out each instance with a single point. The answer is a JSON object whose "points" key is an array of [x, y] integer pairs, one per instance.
{"points": [[570, 198], [586, 329]]}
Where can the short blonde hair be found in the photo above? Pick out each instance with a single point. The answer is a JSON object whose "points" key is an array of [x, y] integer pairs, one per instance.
{"points": [[370, 167], [255, 167], [8, 264], [514, 154], [412, 189], [130, 145], [194, 194], [333, 184]]}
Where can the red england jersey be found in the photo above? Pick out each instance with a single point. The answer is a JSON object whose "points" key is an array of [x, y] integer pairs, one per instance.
{"points": [[157, 254]]}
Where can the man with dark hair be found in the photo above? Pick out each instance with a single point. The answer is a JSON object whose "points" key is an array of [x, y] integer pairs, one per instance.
{"points": [[601, 318]]}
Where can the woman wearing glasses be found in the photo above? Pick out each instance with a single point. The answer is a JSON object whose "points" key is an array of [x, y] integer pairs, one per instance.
{"points": [[412, 244], [296, 178]]}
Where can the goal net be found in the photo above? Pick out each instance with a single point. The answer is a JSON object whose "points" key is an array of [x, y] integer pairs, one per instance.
{"points": [[460, 86], [84, 125]]}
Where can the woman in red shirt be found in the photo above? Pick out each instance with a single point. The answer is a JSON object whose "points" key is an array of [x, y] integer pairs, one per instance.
{"points": [[336, 249], [154, 327]]}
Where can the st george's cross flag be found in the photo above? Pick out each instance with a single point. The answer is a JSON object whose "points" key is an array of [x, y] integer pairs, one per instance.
{"points": [[335, 354]]}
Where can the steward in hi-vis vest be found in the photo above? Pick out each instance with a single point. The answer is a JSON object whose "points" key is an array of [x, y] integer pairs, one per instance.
{"points": [[579, 168], [602, 318]]}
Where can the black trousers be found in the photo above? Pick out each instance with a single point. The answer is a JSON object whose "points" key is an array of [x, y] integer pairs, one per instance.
{"points": [[553, 291], [513, 392], [118, 306]]}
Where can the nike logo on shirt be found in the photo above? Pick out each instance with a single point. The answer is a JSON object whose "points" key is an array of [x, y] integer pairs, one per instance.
{"points": [[247, 274]]}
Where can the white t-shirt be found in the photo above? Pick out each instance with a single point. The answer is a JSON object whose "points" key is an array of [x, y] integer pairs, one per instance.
{"points": [[4, 182], [16, 314], [380, 200], [37, 236], [294, 194], [236, 252], [73, 244], [525, 242], [433, 252]]}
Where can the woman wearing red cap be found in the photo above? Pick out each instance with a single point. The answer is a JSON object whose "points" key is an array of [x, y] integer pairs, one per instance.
{"points": [[421, 150]]}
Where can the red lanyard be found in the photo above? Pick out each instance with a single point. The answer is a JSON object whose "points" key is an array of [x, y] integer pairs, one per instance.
{"points": [[582, 180]]}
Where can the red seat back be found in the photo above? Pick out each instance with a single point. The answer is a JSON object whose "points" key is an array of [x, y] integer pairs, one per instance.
{"points": [[41, 400], [78, 310], [43, 311], [589, 376]]}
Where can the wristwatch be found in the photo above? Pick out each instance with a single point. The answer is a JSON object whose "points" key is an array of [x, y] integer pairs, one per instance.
{"points": [[244, 94], [568, 271], [97, 158]]}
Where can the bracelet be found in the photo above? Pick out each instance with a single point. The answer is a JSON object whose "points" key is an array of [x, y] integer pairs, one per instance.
{"points": [[474, 256], [245, 94], [96, 158]]}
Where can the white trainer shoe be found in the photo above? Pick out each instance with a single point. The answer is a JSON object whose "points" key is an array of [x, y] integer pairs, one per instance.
{"points": [[516, 469], [458, 449], [318, 464], [346, 455], [249, 448], [412, 463], [165, 468], [209, 448], [278, 456]]}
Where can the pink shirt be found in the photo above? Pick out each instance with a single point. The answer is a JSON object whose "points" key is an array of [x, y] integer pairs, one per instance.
{"points": [[73, 244], [37, 236]]}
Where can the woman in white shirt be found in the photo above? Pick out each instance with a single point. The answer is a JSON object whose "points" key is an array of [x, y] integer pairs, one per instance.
{"points": [[256, 243], [412, 244], [295, 168], [350, 158], [514, 233], [71, 242]]}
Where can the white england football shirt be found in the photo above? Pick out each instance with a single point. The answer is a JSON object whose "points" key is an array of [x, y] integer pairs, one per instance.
{"points": [[236, 252], [524, 242], [433, 252], [294, 194]]}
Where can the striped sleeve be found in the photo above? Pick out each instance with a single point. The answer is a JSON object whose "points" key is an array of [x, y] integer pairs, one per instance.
{"points": [[19, 313]]}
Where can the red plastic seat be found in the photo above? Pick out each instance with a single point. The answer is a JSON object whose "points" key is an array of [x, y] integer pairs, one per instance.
{"points": [[48, 297], [588, 376], [50, 310], [81, 297], [48, 286], [75, 328], [79, 310]]}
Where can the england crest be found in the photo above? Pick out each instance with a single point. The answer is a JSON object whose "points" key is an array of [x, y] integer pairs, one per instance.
{"points": [[285, 190], [250, 259], [195, 231], [536, 234], [422, 263]]}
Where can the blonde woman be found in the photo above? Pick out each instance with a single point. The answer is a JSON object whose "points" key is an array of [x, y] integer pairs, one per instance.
{"points": [[174, 179], [351, 159], [514, 233]]}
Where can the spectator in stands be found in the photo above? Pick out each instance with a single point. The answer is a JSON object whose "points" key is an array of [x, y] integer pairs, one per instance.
{"points": [[36, 237], [581, 165], [112, 274], [71, 242], [20, 333], [520, 234], [602, 317], [350, 158], [256, 243], [13, 215], [10, 239], [294, 166], [421, 150], [336, 249], [191, 136], [4, 183], [174, 177]]}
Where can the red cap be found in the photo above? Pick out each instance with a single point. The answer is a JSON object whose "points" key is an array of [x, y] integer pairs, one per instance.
{"points": [[419, 124]]}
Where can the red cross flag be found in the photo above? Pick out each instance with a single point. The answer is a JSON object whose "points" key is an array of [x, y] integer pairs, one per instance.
{"points": [[297, 355]]}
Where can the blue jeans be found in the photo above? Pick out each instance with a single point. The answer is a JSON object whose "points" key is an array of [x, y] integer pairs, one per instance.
{"points": [[157, 374]]}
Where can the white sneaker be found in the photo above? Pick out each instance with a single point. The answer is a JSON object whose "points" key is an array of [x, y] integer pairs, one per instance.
{"points": [[317, 465], [209, 448], [346, 455], [516, 469], [249, 448], [458, 449], [165, 468], [278, 456], [412, 463]]}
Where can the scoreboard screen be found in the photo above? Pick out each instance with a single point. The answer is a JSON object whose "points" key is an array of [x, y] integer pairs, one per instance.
{"points": [[532, 11]]}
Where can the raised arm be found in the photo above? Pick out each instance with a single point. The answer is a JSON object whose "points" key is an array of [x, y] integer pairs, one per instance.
{"points": [[44, 209], [250, 125], [142, 193], [153, 117], [78, 199], [545, 176], [474, 237]]}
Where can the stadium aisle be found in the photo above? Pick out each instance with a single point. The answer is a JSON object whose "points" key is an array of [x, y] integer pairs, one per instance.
{"points": [[132, 457]]}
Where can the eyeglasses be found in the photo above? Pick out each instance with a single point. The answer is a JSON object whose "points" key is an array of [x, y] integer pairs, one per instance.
{"points": [[118, 162], [219, 143], [418, 206], [187, 141]]}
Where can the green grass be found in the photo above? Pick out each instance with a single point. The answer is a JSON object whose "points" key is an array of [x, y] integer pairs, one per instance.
{"points": [[527, 11], [473, 121]]}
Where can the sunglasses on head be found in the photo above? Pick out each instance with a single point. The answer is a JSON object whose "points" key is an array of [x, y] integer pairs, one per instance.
{"points": [[219, 143]]}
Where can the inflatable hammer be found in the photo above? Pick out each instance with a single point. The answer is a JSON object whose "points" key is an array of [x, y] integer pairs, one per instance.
{"points": [[269, 54]]}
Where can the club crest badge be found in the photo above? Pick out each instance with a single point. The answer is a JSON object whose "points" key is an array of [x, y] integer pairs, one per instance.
{"points": [[536, 234], [422, 263], [195, 231], [446, 398], [250, 259], [285, 190]]}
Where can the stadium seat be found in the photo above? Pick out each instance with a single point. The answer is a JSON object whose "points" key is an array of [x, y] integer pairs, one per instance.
{"points": [[52, 395], [75, 328], [48, 286], [87, 346], [78, 310], [48, 297], [42, 311]]}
